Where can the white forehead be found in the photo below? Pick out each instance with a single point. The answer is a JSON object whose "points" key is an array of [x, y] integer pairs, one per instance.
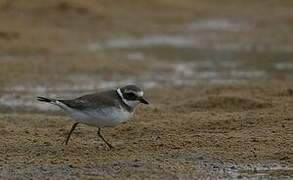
{"points": [[140, 93]]}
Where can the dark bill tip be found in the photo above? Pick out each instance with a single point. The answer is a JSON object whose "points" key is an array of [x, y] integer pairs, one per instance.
{"points": [[142, 100]]}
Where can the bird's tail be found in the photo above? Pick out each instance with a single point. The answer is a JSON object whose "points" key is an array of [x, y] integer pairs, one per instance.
{"points": [[48, 100], [53, 101]]}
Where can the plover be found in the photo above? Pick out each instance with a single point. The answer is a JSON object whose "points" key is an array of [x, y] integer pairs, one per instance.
{"points": [[103, 109]]}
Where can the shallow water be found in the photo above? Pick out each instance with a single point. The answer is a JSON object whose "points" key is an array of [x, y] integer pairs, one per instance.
{"points": [[262, 172], [169, 67]]}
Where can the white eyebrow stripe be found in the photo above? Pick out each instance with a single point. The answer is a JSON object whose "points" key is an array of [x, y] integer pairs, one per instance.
{"points": [[130, 91]]}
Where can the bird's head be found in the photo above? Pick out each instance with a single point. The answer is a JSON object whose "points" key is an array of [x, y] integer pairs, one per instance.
{"points": [[131, 95]]}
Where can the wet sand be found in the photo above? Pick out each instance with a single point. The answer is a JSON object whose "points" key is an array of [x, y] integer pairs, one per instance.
{"points": [[196, 132], [221, 90]]}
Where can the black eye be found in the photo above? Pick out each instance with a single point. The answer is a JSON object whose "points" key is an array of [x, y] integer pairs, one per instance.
{"points": [[131, 96]]}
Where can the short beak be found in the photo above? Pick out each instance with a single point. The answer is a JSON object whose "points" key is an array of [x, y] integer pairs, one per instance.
{"points": [[142, 100]]}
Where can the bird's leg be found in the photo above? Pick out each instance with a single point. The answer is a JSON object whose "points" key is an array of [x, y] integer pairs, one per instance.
{"points": [[100, 135], [72, 129]]}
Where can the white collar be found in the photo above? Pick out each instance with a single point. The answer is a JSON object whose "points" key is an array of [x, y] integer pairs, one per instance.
{"points": [[121, 96]]}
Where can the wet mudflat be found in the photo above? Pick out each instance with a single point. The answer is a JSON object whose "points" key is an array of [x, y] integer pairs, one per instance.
{"points": [[223, 131], [221, 90]]}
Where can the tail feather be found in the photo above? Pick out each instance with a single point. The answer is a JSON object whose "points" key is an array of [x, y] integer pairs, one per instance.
{"points": [[52, 101], [43, 99]]}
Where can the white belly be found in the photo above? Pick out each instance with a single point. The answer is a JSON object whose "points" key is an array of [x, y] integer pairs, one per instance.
{"points": [[102, 117]]}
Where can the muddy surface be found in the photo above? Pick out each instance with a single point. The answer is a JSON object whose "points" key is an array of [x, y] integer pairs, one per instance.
{"points": [[219, 76], [191, 132]]}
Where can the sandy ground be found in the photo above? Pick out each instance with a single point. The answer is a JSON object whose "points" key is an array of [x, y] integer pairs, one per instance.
{"points": [[221, 90], [197, 132]]}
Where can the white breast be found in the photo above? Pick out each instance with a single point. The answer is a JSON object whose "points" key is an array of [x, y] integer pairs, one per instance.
{"points": [[101, 117]]}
